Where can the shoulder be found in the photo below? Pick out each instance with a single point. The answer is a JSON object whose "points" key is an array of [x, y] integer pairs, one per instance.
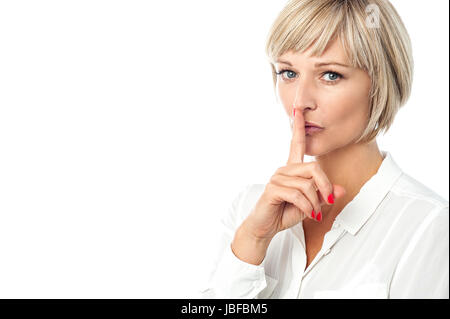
{"points": [[418, 194], [423, 207], [409, 187]]}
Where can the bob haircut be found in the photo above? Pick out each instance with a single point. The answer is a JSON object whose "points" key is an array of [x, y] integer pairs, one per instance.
{"points": [[374, 39]]}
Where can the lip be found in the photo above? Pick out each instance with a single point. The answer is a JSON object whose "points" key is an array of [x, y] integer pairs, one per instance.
{"points": [[312, 129], [311, 124]]}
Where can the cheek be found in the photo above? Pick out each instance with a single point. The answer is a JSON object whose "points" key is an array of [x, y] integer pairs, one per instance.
{"points": [[348, 113]]}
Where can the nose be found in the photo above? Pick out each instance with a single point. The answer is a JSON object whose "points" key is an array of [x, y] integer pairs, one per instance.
{"points": [[304, 95]]}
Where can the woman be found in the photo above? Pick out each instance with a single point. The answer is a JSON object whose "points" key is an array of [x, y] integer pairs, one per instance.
{"points": [[350, 224]]}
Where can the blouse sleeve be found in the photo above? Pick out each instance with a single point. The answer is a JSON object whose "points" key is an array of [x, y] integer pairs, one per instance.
{"points": [[231, 277], [423, 270]]}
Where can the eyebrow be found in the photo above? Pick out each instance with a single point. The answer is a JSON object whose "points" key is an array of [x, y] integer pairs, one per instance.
{"points": [[316, 64]]}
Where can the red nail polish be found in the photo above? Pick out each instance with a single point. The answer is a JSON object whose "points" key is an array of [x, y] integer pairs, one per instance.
{"points": [[319, 216], [331, 199], [312, 214]]}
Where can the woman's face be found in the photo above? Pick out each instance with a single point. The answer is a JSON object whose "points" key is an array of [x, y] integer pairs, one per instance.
{"points": [[332, 96]]}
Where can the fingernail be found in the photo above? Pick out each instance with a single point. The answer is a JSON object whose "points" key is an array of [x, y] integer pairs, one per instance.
{"points": [[312, 214], [319, 216], [331, 198]]}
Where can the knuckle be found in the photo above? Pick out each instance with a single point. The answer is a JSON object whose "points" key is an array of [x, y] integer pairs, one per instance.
{"points": [[311, 185], [322, 186], [322, 183], [274, 178], [316, 167], [279, 170], [297, 196], [300, 202]]}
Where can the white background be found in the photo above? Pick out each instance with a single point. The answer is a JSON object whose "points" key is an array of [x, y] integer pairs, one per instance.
{"points": [[127, 128]]}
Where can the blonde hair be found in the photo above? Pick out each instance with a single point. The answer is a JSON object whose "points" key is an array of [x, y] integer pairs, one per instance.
{"points": [[377, 43]]}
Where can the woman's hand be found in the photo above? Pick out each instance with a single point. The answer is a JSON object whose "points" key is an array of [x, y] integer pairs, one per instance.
{"points": [[291, 195]]}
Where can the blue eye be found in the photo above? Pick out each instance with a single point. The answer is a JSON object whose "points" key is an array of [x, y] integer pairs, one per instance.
{"points": [[334, 76], [291, 73], [332, 79]]}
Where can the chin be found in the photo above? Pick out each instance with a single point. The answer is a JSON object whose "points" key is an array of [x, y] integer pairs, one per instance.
{"points": [[316, 147]]}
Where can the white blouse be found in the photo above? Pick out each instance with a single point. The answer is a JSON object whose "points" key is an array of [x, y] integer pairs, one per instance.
{"points": [[390, 241]]}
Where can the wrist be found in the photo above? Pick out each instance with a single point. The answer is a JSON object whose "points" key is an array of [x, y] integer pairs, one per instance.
{"points": [[257, 241], [249, 248], [259, 238]]}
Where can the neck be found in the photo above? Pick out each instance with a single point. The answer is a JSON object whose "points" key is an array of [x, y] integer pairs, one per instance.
{"points": [[351, 167]]}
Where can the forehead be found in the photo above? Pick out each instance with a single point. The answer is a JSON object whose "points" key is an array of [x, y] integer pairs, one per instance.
{"points": [[333, 52]]}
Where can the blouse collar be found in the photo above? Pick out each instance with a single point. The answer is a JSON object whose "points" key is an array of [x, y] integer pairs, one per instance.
{"points": [[356, 213]]}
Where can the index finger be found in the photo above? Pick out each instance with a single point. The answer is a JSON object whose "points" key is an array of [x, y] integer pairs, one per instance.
{"points": [[298, 142]]}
